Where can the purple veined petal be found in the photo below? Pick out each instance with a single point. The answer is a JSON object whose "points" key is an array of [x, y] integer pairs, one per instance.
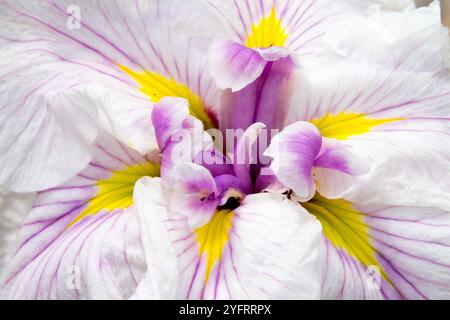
{"points": [[191, 190], [269, 182], [382, 252], [45, 139], [273, 53], [169, 116], [363, 90], [217, 261], [214, 161], [412, 167], [234, 66], [294, 152], [185, 146], [298, 25], [392, 109], [48, 53], [244, 155], [266, 100], [228, 186], [187, 78], [83, 232], [337, 156], [338, 169], [181, 137]]}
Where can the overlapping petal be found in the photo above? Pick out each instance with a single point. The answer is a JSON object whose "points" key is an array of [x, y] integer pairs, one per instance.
{"points": [[262, 31], [355, 204], [266, 248], [81, 239], [302, 158], [383, 252], [386, 95], [116, 57]]}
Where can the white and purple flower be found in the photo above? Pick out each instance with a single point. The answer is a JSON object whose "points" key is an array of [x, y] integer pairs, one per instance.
{"points": [[254, 149]]}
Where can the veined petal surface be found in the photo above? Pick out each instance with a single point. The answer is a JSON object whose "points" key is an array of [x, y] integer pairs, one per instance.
{"points": [[112, 55], [383, 252], [266, 248], [81, 240], [387, 98]]}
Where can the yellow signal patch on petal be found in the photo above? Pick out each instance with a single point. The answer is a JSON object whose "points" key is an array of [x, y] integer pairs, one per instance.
{"points": [[156, 87], [212, 238], [116, 192], [343, 125], [345, 228], [268, 33]]}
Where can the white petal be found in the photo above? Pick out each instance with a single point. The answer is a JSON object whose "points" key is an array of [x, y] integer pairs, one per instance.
{"points": [[383, 252], [162, 264], [81, 240], [337, 168], [270, 251], [384, 91], [409, 169], [191, 190], [303, 22], [294, 152], [46, 52], [43, 139], [234, 66]]}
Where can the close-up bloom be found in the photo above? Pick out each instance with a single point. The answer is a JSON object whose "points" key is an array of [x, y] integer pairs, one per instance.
{"points": [[238, 149]]}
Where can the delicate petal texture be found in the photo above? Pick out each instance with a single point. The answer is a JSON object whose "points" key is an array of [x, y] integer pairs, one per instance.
{"points": [[234, 66], [13, 209], [191, 190], [389, 102], [160, 281], [46, 53], [407, 248], [81, 239], [265, 100], [337, 168], [44, 140], [337, 156], [266, 248], [169, 116], [294, 152], [243, 155], [105, 108], [303, 22], [412, 170], [260, 31]]}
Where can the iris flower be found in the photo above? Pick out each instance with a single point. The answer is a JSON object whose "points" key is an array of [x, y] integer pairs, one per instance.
{"points": [[113, 115]]}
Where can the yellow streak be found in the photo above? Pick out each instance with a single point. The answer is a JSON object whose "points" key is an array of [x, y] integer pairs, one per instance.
{"points": [[343, 125], [116, 192], [156, 87], [267, 33], [345, 228], [212, 238]]}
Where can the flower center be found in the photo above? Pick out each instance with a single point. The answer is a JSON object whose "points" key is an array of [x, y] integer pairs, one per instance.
{"points": [[231, 204], [267, 33]]}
